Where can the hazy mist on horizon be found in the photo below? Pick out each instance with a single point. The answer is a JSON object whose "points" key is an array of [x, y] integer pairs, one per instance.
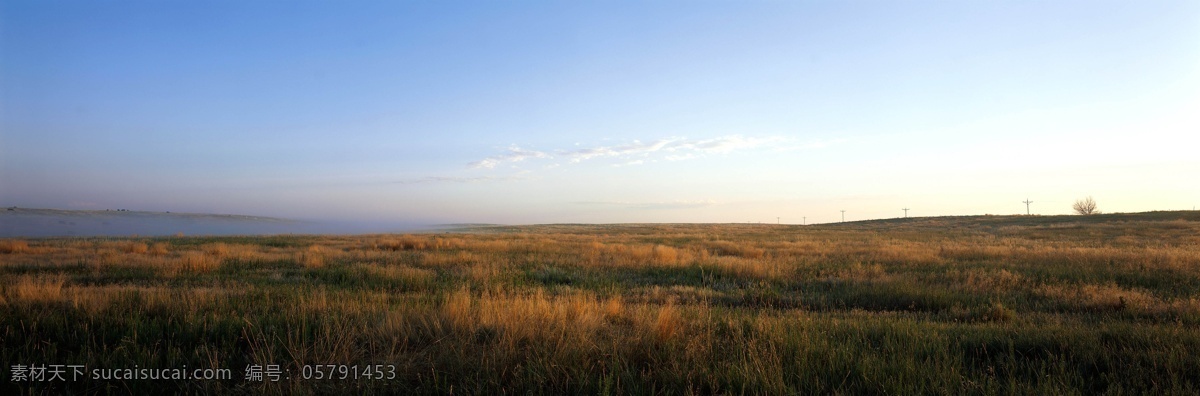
{"points": [[550, 112]]}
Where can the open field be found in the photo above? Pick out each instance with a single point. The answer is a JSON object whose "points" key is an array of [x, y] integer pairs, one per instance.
{"points": [[971, 305]]}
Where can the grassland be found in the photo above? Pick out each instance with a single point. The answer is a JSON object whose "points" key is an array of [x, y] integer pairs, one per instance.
{"points": [[975, 305]]}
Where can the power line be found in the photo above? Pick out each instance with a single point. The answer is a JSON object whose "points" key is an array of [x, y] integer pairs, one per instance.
{"points": [[906, 213]]}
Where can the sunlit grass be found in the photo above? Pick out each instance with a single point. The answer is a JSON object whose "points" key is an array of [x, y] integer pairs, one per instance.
{"points": [[987, 305]]}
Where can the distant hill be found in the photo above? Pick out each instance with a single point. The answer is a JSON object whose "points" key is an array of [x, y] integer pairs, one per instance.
{"points": [[992, 221], [24, 222], [463, 225], [1099, 225]]}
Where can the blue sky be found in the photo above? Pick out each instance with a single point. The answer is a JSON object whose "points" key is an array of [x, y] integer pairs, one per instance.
{"points": [[599, 111]]}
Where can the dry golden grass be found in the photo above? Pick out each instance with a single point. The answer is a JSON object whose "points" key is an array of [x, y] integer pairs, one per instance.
{"points": [[315, 256], [418, 277], [730, 248], [457, 309], [238, 251], [134, 247], [987, 280], [689, 309], [98, 299], [858, 272], [416, 242], [486, 272], [218, 249], [1099, 297], [43, 288], [614, 308], [667, 323], [563, 321], [108, 256], [13, 246], [159, 249], [198, 262], [442, 259], [630, 255]]}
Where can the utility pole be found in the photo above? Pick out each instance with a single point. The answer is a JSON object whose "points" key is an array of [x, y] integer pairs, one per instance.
{"points": [[1027, 202], [906, 213], [777, 220], [843, 216]]}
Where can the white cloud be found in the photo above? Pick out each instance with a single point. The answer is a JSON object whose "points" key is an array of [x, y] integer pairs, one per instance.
{"points": [[727, 144], [680, 148], [514, 154], [639, 152], [585, 154], [635, 148]]}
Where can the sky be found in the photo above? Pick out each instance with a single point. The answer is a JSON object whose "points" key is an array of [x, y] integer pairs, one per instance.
{"points": [[523, 112]]}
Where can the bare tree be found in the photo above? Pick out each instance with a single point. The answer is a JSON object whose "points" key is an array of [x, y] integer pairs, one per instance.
{"points": [[1085, 206]]}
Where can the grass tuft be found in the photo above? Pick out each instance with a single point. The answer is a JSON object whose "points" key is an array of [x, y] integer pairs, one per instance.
{"points": [[197, 262], [134, 247], [9, 246], [43, 288]]}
